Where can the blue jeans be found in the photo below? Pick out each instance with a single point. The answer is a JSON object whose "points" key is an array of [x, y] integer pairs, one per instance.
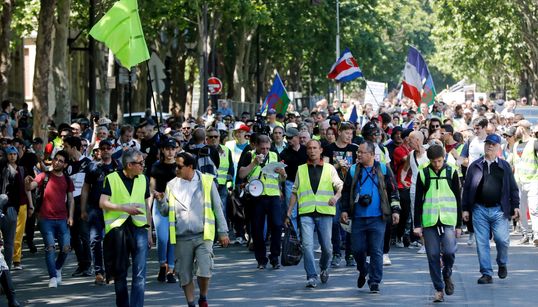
{"points": [[165, 250], [223, 193], [96, 224], [367, 234], [323, 225], [266, 206], [55, 230], [439, 240], [139, 257], [485, 221], [287, 194]]}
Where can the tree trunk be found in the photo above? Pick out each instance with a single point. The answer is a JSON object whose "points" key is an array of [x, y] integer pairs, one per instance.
{"points": [[60, 78], [5, 38], [42, 67]]}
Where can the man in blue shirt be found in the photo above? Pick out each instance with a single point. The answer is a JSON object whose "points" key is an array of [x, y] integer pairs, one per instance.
{"points": [[370, 197]]}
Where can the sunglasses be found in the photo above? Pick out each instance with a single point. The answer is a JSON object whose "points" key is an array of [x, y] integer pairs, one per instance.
{"points": [[212, 136]]}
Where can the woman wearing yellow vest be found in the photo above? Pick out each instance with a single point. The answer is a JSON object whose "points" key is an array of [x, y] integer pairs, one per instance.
{"points": [[438, 218], [192, 203]]}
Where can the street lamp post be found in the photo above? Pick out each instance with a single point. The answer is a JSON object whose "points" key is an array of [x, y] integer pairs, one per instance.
{"points": [[337, 94]]}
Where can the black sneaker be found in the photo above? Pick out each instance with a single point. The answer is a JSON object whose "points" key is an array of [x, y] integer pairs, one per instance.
{"points": [[32, 248], [275, 264], [324, 276], [449, 286], [503, 271], [162, 274], [361, 280], [485, 279], [170, 278], [87, 272], [374, 288], [78, 272]]}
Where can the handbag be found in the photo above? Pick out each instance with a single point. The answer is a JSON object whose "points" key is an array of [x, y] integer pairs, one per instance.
{"points": [[292, 249]]}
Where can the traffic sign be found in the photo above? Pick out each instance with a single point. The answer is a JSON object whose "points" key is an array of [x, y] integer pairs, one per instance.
{"points": [[214, 85]]}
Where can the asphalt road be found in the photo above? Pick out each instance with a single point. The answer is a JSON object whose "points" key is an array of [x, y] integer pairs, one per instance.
{"points": [[237, 282]]}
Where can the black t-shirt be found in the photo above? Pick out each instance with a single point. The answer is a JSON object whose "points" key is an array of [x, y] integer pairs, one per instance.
{"points": [[77, 171], [293, 159], [163, 173], [95, 177], [128, 182], [28, 161], [151, 148], [335, 154]]}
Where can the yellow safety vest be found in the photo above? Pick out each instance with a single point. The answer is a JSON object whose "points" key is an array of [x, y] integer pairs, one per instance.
{"points": [[270, 185], [315, 202], [224, 165], [526, 166], [209, 215], [120, 196], [440, 202]]}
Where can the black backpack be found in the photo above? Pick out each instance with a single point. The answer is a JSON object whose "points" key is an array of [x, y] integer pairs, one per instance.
{"points": [[427, 178]]}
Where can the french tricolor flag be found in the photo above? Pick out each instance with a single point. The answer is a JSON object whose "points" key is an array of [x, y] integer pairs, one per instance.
{"points": [[416, 76], [345, 69]]}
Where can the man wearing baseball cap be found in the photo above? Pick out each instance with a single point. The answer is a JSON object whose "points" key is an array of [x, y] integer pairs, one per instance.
{"points": [[490, 191], [526, 173]]}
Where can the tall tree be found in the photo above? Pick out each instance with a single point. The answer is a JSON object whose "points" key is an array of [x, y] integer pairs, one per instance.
{"points": [[42, 66], [59, 71], [5, 39]]}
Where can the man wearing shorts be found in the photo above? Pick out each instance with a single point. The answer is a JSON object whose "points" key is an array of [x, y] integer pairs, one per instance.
{"points": [[192, 203]]}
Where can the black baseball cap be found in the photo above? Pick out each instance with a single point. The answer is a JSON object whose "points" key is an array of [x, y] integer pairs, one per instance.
{"points": [[169, 143]]}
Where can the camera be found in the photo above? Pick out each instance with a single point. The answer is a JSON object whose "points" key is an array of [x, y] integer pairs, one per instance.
{"points": [[260, 127], [95, 116], [365, 200]]}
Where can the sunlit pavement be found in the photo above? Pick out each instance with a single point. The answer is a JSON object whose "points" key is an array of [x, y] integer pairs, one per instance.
{"points": [[237, 282]]}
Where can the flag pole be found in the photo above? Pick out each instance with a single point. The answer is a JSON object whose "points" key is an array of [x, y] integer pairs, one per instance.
{"points": [[153, 98], [371, 92]]}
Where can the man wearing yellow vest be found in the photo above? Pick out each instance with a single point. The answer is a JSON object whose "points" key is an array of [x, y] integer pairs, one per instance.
{"points": [[438, 218], [225, 170], [193, 206], [125, 201], [525, 161], [317, 188], [268, 204]]}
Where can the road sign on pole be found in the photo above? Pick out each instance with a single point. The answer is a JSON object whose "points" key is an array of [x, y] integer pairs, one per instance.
{"points": [[214, 85]]}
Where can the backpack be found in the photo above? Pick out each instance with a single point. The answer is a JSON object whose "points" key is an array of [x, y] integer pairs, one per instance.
{"points": [[204, 163], [427, 178], [41, 191]]}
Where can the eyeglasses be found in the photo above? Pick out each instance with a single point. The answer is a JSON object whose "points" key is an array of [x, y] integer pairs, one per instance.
{"points": [[186, 128], [435, 126], [58, 160], [179, 166], [141, 163], [363, 152]]}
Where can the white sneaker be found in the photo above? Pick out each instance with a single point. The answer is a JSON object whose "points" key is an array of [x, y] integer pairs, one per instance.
{"points": [[415, 244], [399, 244], [421, 250], [53, 283], [470, 242], [59, 276], [386, 259], [368, 259], [311, 283]]}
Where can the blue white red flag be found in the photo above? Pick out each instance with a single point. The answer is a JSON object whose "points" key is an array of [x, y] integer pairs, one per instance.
{"points": [[417, 82], [345, 69]]}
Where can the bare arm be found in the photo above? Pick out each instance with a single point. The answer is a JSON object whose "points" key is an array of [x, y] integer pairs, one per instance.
{"points": [[71, 206], [84, 201]]}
